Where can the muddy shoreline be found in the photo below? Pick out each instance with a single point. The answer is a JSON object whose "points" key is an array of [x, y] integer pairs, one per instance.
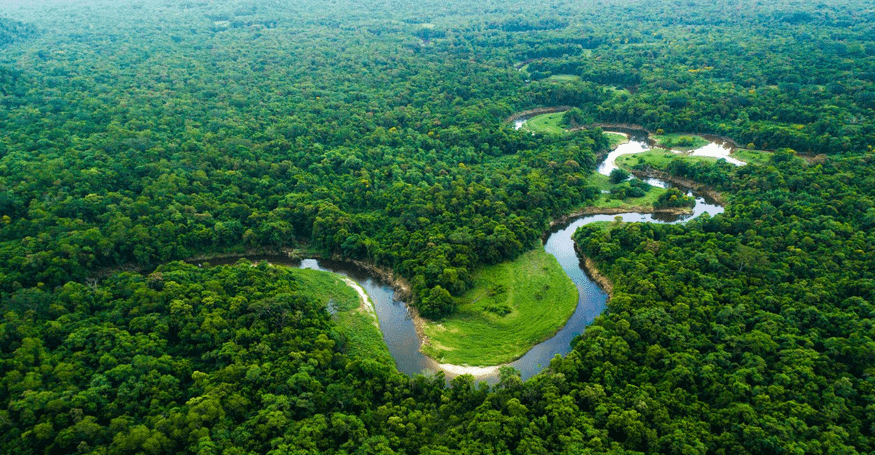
{"points": [[592, 271]]}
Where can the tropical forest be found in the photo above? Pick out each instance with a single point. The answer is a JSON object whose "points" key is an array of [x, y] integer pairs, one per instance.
{"points": [[413, 227]]}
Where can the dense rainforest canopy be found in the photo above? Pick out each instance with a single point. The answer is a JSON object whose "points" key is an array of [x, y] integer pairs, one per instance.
{"points": [[134, 135]]}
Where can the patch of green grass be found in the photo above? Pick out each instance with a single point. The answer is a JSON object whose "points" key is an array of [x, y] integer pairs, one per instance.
{"points": [[660, 158], [752, 156], [604, 225], [618, 90], [600, 181], [605, 200], [656, 158], [616, 139], [328, 288], [365, 340], [563, 78], [546, 123], [514, 306], [681, 142]]}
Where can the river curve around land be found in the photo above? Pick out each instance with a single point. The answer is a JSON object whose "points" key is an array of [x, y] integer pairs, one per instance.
{"points": [[398, 326]]}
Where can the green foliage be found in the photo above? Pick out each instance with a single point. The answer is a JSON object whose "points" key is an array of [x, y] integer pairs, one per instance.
{"points": [[419, 183], [618, 175], [514, 306], [136, 133], [546, 123], [770, 287], [634, 188], [679, 141], [12, 31], [573, 117], [169, 362], [674, 197]]}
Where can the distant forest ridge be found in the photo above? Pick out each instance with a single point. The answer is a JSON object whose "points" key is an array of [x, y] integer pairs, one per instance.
{"points": [[12, 31]]}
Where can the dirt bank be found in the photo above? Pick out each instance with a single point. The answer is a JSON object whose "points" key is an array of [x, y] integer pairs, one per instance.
{"points": [[684, 182], [593, 273]]}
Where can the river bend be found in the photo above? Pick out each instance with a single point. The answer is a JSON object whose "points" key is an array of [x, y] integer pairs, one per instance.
{"points": [[397, 324]]}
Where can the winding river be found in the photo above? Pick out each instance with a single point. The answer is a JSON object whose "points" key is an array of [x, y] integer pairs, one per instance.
{"points": [[397, 325]]}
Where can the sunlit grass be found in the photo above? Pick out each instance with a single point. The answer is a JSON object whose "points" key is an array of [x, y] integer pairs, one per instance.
{"points": [[514, 306], [656, 158], [660, 158], [364, 339], [616, 139], [546, 123], [563, 78], [681, 142], [605, 200], [752, 156]]}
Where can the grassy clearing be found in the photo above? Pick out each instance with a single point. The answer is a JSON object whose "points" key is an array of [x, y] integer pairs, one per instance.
{"points": [[563, 78], [657, 158], [600, 181], [605, 201], [514, 306], [616, 139], [683, 142], [365, 339], [752, 156], [546, 123], [618, 90], [328, 288], [632, 203]]}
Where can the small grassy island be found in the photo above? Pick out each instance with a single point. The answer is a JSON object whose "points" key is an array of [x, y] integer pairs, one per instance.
{"points": [[514, 306], [681, 142], [631, 195], [659, 158]]}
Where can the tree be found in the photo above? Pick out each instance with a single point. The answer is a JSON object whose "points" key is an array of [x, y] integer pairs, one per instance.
{"points": [[618, 175]]}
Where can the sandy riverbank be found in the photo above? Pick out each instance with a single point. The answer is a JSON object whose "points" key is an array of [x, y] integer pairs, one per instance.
{"points": [[366, 305], [458, 370]]}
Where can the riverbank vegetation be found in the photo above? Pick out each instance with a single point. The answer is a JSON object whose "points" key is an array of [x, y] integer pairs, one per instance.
{"points": [[546, 123], [513, 306], [133, 134], [661, 159], [788, 276], [615, 139], [680, 142], [752, 156], [634, 194], [356, 320]]}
